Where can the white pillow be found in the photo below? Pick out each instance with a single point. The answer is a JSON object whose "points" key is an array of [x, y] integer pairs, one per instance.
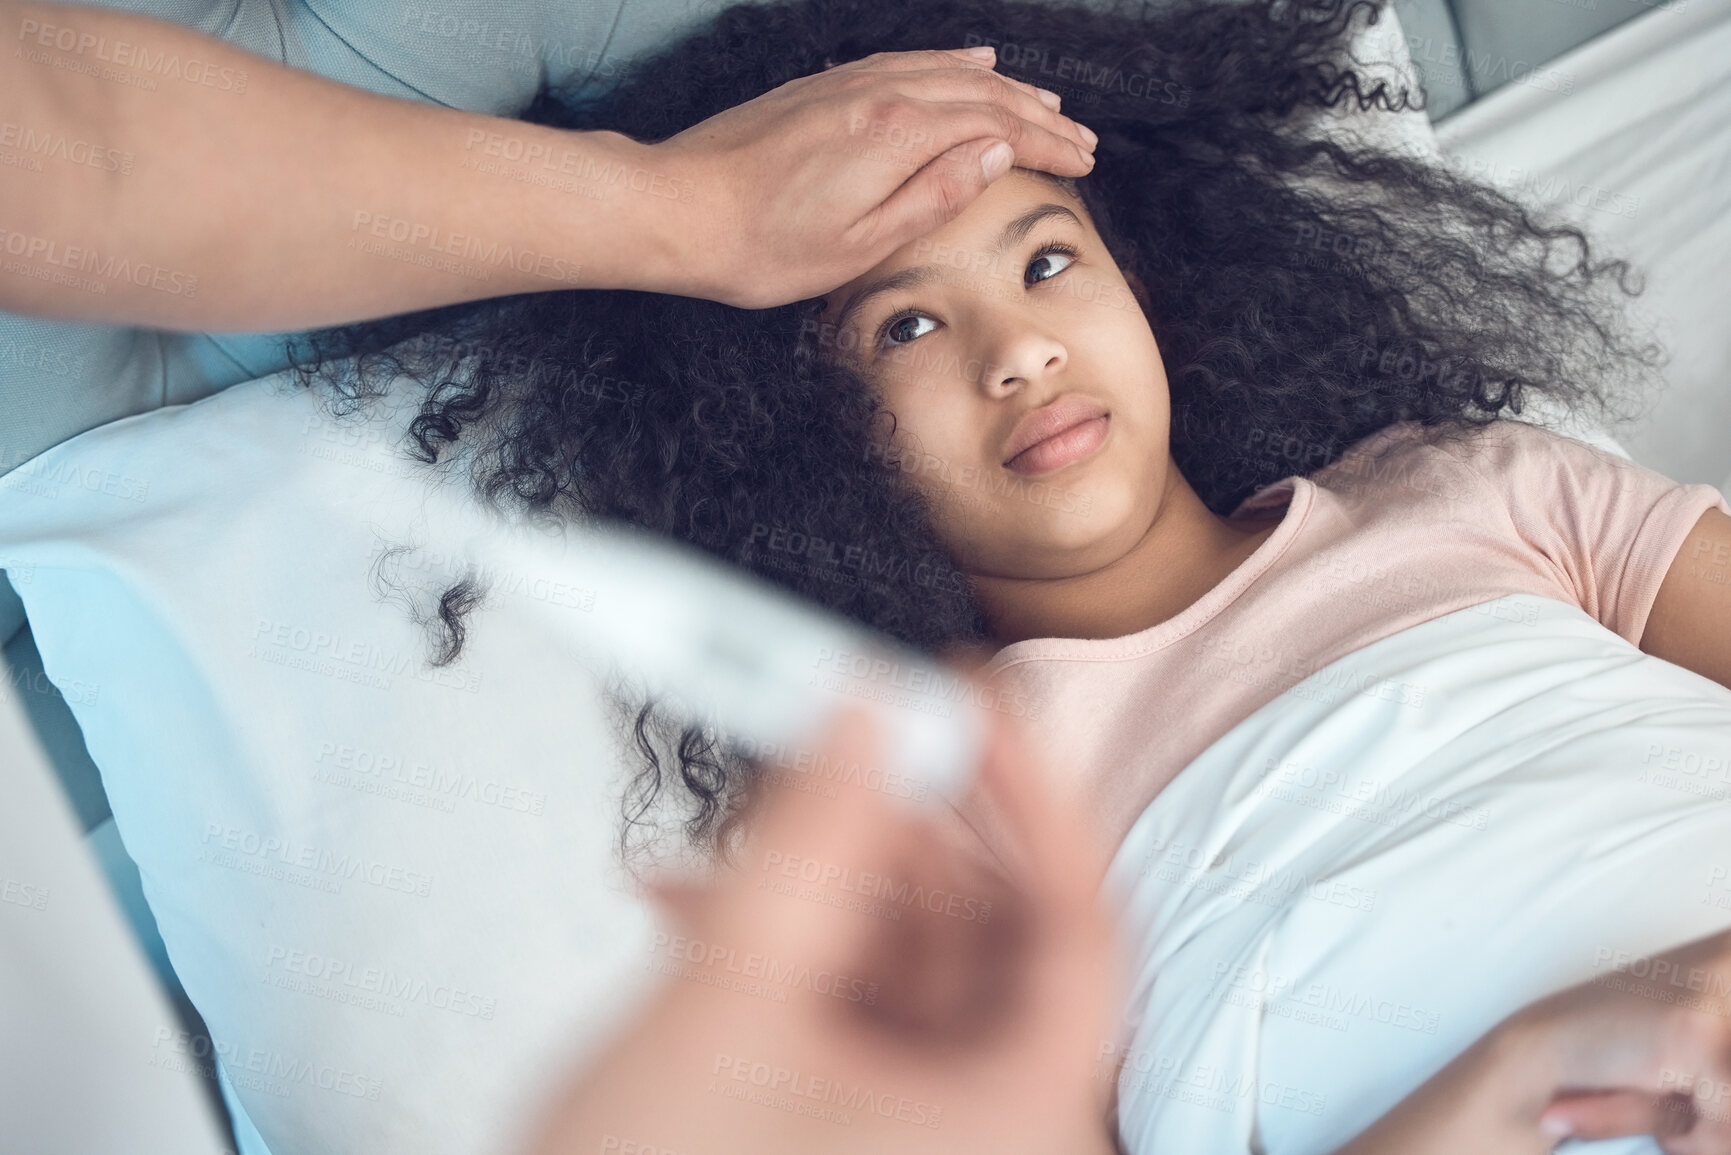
{"points": [[1380, 52], [391, 892]]}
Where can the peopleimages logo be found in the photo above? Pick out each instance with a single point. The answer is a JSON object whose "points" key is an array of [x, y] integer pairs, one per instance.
{"points": [[252, 853], [1247, 879], [47, 255], [801, 1093], [41, 359], [1656, 973], [23, 894], [793, 765], [125, 54], [414, 779], [1041, 60], [59, 146], [1201, 1084], [341, 980], [440, 241], [40, 478], [351, 659], [877, 886], [753, 972], [1271, 991], [255, 1068], [819, 553], [927, 686]]}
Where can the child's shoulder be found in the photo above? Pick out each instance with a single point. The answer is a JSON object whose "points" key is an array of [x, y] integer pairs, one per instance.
{"points": [[1500, 462], [1500, 450], [1504, 459]]}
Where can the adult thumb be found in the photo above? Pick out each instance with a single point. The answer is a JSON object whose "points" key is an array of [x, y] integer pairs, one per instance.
{"points": [[939, 191], [842, 828]]}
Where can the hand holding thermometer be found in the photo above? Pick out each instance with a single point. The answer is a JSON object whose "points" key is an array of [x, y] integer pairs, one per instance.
{"points": [[726, 649]]}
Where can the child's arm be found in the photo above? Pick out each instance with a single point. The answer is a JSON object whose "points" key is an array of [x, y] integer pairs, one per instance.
{"points": [[1690, 623], [1595, 1061], [228, 192]]}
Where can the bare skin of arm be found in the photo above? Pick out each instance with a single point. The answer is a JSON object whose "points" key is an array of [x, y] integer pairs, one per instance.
{"points": [[1595, 1061], [239, 194], [1488, 1100], [1690, 623]]}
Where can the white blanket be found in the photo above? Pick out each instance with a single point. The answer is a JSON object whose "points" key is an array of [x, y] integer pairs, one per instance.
{"points": [[1375, 868]]}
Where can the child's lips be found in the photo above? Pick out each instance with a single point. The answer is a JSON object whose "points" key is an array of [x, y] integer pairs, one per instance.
{"points": [[1049, 420], [1066, 447]]}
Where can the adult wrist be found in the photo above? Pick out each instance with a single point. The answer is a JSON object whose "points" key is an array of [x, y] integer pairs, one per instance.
{"points": [[569, 210], [636, 219]]}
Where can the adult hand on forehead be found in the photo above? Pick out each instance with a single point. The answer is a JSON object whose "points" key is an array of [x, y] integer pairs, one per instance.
{"points": [[811, 184], [864, 979]]}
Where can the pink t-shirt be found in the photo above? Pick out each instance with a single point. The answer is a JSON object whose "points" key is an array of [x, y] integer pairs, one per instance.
{"points": [[1392, 534]]}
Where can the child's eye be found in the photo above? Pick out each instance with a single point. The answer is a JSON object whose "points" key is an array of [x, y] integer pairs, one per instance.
{"points": [[1044, 260], [903, 327], [899, 329]]}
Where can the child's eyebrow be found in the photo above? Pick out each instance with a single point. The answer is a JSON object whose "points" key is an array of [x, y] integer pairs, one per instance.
{"points": [[917, 275]]}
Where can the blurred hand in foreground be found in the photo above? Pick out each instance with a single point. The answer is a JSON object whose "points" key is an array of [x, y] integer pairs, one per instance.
{"points": [[861, 980]]}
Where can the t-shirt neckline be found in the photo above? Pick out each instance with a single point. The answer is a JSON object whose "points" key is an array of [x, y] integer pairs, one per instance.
{"points": [[1298, 493]]}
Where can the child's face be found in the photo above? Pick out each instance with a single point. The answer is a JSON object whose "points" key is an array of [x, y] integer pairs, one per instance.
{"points": [[972, 339]]}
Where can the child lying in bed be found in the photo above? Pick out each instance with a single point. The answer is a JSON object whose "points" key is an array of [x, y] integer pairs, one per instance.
{"points": [[1224, 309], [1170, 439]]}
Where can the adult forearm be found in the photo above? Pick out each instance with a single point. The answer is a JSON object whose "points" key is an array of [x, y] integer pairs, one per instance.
{"points": [[152, 175]]}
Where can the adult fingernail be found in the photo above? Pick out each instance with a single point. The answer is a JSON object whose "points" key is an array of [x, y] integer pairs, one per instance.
{"points": [[982, 52], [995, 161], [1088, 135], [1049, 99]]}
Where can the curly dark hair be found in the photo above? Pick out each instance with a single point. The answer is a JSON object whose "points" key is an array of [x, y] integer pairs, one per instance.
{"points": [[1305, 291]]}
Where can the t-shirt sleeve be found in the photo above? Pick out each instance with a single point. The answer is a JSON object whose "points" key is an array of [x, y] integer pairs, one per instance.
{"points": [[1604, 527]]}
